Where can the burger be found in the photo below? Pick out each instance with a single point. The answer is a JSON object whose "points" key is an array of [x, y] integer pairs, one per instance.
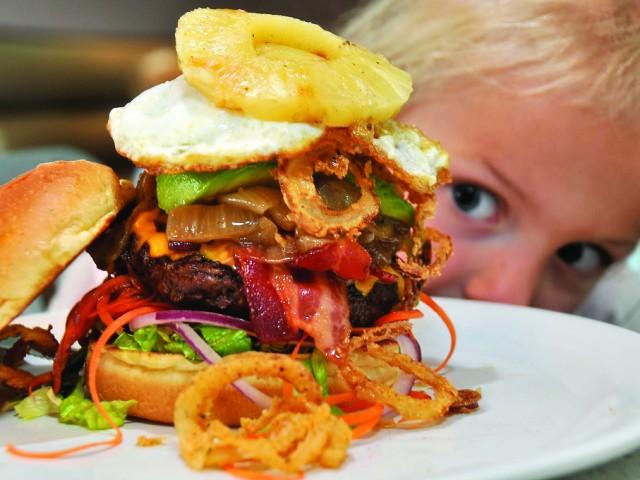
{"points": [[279, 206]]}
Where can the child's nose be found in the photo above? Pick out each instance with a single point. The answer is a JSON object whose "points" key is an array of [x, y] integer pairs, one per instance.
{"points": [[505, 278]]}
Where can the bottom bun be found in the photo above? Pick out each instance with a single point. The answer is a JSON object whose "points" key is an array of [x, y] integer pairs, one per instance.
{"points": [[154, 380]]}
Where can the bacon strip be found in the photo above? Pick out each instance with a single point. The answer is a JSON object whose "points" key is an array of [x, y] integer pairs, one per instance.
{"points": [[316, 303], [267, 313], [284, 300]]}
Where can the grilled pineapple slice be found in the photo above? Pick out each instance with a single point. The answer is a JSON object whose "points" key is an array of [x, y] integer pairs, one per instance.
{"points": [[278, 68]]}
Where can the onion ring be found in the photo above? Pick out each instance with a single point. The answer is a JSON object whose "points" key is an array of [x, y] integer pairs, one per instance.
{"points": [[429, 411], [205, 441], [308, 210], [410, 264]]}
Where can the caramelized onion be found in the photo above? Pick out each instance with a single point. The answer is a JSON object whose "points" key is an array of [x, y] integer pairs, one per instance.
{"points": [[336, 193], [203, 223], [256, 199], [265, 234], [278, 254], [304, 243], [280, 214]]}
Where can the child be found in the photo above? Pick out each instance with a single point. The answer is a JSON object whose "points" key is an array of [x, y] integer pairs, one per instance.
{"points": [[538, 104]]}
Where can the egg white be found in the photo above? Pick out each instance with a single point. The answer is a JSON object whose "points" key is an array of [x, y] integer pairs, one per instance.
{"points": [[173, 127], [408, 153]]}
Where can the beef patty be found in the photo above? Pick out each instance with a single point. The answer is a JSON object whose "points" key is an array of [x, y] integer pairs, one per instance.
{"points": [[191, 282], [195, 282]]}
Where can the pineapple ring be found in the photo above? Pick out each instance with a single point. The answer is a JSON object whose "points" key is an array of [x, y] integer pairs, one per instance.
{"points": [[279, 68]]}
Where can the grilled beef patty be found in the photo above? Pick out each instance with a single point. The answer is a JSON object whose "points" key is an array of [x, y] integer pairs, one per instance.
{"points": [[192, 282], [195, 282]]}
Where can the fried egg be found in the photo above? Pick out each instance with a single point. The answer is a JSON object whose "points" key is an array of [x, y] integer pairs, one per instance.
{"points": [[172, 127], [410, 155]]}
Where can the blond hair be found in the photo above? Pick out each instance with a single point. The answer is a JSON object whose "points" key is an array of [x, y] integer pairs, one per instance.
{"points": [[589, 52]]}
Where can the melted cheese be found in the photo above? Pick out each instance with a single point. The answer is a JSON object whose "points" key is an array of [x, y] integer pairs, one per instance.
{"points": [[145, 230], [220, 251], [365, 286]]}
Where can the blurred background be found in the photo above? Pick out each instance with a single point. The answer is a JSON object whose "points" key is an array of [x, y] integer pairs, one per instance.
{"points": [[64, 64]]}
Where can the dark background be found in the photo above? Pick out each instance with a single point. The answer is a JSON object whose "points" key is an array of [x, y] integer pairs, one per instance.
{"points": [[65, 63]]}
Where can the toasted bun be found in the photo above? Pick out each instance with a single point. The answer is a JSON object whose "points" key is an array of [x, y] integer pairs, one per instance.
{"points": [[49, 215], [156, 379]]}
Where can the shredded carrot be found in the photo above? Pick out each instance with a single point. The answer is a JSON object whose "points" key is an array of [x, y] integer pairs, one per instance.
{"points": [[398, 316], [338, 398], [364, 428], [355, 405], [362, 416], [348, 402], [447, 321], [287, 388], [365, 420], [119, 307], [296, 350], [103, 313], [259, 475], [91, 383], [419, 394]]}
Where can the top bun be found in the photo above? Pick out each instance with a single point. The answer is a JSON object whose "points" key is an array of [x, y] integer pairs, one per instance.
{"points": [[49, 215]]}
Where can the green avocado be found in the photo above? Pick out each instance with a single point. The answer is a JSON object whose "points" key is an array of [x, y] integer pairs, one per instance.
{"points": [[393, 205], [176, 190]]}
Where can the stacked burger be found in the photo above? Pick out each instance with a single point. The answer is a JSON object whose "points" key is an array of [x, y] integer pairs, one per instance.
{"points": [[280, 205]]}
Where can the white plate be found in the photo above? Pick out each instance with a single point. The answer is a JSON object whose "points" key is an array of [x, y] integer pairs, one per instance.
{"points": [[560, 394]]}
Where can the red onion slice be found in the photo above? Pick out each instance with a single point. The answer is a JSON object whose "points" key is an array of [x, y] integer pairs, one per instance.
{"points": [[164, 317], [409, 346], [404, 383], [210, 356]]}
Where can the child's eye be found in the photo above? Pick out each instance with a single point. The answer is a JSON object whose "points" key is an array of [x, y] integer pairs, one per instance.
{"points": [[585, 258], [475, 201]]}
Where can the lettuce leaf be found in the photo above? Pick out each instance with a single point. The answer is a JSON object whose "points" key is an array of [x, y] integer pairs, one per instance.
{"points": [[153, 338], [41, 402], [225, 341], [76, 409], [317, 365]]}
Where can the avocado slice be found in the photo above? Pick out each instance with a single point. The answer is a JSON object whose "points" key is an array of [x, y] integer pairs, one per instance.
{"points": [[175, 190], [393, 205]]}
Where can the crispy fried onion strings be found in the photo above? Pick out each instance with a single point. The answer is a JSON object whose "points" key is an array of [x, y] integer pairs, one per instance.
{"points": [[439, 249], [409, 408], [35, 338], [308, 209], [294, 433]]}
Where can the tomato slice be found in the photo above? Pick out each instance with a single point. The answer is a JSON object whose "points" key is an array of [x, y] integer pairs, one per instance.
{"points": [[346, 258]]}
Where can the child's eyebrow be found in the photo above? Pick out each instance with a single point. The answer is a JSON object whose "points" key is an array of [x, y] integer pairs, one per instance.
{"points": [[504, 180]]}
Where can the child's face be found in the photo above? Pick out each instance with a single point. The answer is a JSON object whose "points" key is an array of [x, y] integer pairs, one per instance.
{"points": [[543, 199]]}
